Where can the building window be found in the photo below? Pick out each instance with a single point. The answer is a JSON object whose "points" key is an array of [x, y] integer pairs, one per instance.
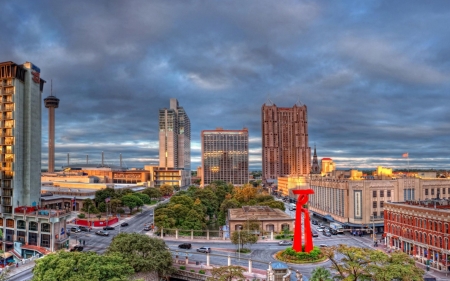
{"points": [[443, 191], [375, 214], [388, 193], [426, 191], [10, 223], [432, 191], [381, 193], [374, 204], [33, 226], [21, 224], [381, 204], [374, 194]]}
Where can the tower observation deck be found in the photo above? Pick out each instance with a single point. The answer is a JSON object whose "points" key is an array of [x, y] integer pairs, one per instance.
{"points": [[51, 102]]}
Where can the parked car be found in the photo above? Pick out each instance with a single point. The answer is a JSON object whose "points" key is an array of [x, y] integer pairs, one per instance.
{"points": [[314, 233], [75, 229], [334, 231], [320, 229], [147, 228], [77, 248], [102, 233], [314, 222], [326, 233], [204, 250], [323, 246], [285, 243], [84, 228], [124, 224], [185, 246], [108, 227]]}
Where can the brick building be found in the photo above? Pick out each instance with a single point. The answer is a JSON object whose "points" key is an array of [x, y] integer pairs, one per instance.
{"points": [[420, 229]]}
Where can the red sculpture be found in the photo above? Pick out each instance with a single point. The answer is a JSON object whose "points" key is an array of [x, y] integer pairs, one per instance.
{"points": [[302, 200]]}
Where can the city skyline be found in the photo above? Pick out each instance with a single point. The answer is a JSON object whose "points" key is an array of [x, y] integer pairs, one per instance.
{"points": [[374, 75]]}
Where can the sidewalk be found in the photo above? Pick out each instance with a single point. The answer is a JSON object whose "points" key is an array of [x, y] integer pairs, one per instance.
{"points": [[23, 266]]}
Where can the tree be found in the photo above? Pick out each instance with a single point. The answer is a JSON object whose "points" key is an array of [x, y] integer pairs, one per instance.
{"points": [[102, 194], [176, 187], [102, 207], [367, 264], [74, 266], [227, 273], [131, 201], [321, 274], [242, 237], [245, 193], [144, 197], [89, 207], [114, 205], [153, 193], [166, 190], [143, 253]]}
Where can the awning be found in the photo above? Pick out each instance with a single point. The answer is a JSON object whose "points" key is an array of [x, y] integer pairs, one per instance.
{"points": [[328, 217]]}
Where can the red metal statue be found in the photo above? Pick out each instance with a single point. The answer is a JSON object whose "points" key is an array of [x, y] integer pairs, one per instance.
{"points": [[302, 200]]}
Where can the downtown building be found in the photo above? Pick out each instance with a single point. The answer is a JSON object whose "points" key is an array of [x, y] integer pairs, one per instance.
{"points": [[286, 156], [174, 147], [359, 202], [224, 156], [421, 229], [27, 228]]}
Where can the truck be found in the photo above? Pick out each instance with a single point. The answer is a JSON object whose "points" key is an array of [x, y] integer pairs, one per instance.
{"points": [[337, 227]]}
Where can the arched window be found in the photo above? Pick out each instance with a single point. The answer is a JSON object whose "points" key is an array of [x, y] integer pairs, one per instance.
{"points": [[33, 226], [238, 227], [10, 223], [21, 224], [45, 227], [285, 226], [270, 227]]}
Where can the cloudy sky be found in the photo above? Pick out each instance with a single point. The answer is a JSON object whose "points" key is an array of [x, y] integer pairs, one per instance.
{"points": [[375, 75]]}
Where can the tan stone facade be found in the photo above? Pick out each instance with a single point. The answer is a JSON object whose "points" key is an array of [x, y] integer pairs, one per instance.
{"points": [[360, 203]]}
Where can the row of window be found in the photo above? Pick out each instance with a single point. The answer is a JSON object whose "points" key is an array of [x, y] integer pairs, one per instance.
{"points": [[438, 191], [388, 193], [421, 237], [21, 224], [420, 222], [375, 204]]}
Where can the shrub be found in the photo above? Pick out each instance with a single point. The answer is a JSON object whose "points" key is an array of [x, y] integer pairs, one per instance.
{"points": [[192, 270], [182, 267], [120, 211], [201, 271], [81, 216]]}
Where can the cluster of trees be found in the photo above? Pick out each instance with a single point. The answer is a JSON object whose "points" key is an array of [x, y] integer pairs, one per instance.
{"points": [[127, 254], [367, 264], [124, 198], [194, 208]]}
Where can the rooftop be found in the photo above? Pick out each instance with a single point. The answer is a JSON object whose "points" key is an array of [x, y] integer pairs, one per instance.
{"points": [[434, 203], [258, 213]]}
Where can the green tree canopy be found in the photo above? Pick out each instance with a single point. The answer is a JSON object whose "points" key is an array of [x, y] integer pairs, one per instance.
{"points": [[144, 197], [75, 266], [153, 193], [243, 237], [321, 274], [166, 190], [368, 264], [143, 253], [130, 201], [102, 194]]}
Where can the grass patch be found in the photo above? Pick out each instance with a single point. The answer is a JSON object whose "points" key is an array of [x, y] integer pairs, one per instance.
{"points": [[243, 250], [291, 256]]}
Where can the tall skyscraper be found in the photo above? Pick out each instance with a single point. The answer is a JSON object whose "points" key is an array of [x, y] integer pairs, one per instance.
{"points": [[285, 150], [20, 177], [224, 156], [51, 102], [174, 138]]}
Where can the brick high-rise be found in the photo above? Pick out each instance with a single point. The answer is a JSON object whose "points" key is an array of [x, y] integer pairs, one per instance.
{"points": [[285, 150]]}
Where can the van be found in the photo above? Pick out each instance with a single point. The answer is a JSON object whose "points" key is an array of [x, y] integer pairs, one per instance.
{"points": [[292, 207]]}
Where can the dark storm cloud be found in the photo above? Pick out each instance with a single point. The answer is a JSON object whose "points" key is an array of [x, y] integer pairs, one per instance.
{"points": [[375, 75]]}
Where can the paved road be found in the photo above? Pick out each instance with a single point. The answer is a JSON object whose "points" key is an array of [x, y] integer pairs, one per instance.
{"points": [[93, 242]]}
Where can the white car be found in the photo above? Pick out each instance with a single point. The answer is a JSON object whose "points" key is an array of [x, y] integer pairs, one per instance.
{"points": [[320, 229]]}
